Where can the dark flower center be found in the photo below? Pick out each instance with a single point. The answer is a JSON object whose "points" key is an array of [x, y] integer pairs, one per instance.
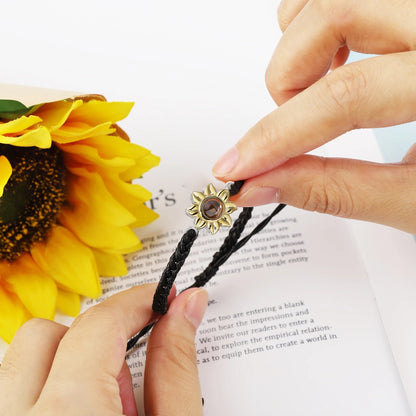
{"points": [[32, 197]]}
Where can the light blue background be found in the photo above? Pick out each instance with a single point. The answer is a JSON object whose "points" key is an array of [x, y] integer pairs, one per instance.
{"points": [[393, 141]]}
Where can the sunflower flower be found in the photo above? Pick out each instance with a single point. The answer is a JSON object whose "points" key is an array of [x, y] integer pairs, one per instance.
{"points": [[67, 204]]}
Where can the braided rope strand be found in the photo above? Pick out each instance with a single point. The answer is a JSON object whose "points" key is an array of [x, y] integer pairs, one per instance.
{"points": [[230, 245], [171, 271], [225, 250]]}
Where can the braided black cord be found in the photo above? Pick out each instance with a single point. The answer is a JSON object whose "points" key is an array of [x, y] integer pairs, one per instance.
{"points": [[179, 256], [133, 340], [168, 277], [225, 250], [176, 261], [258, 228], [171, 271], [235, 187]]}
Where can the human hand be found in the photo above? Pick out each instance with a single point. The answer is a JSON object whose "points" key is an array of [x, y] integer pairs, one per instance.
{"points": [[317, 106], [50, 369]]}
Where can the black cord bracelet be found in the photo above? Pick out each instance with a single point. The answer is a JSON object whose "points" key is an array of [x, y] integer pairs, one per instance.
{"points": [[211, 209]]}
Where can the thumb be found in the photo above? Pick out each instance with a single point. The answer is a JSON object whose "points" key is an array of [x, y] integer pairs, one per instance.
{"points": [[171, 384], [384, 194]]}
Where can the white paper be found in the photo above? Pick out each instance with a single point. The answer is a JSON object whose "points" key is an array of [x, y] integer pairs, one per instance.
{"points": [[313, 263], [389, 258], [29, 95]]}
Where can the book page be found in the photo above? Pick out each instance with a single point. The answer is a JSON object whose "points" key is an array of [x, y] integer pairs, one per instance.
{"points": [[292, 315], [389, 256]]}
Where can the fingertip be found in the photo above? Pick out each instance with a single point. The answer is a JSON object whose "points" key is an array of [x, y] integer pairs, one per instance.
{"points": [[287, 11], [196, 305], [191, 304], [171, 361], [258, 195], [226, 163]]}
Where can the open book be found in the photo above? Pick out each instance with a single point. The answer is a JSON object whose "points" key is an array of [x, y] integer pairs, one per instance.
{"points": [[294, 326]]}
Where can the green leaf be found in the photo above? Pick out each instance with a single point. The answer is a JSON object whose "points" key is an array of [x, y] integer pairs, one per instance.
{"points": [[12, 109]]}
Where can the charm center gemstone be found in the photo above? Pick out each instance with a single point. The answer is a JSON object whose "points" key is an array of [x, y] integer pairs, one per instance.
{"points": [[212, 208]]}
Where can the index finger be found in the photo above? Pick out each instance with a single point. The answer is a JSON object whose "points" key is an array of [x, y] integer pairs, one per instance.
{"points": [[312, 39], [96, 341], [359, 95]]}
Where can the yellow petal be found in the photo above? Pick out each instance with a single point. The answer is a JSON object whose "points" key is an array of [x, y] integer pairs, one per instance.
{"points": [[97, 234], [5, 173], [110, 264], [35, 289], [68, 302], [225, 220], [95, 112], [210, 190], [230, 207], [18, 125], [198, 197], [193, 210], [144, 215], [128, 194], [112, 146], [55, 114], [87, 155], [224, 194], [38, 137], [200, 223], [69, 261], [13, 314], [74, 131], [213, 227], [141, 166], [92, 191]]}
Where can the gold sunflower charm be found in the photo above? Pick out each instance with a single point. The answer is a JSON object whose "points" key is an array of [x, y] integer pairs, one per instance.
{"points": [[211, 208]]}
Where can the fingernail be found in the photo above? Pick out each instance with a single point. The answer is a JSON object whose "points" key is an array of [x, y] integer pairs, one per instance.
{"points": [[226, 163], [195, 307], [259, 195]]}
